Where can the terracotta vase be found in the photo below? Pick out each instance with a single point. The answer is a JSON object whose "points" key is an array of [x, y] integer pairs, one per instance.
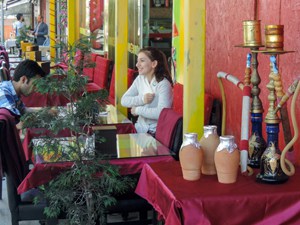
{"points": [[227, 159], [209, 143], [191, 156]]}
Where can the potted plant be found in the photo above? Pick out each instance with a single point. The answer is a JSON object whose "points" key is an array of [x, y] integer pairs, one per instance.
{"points": [[85, 190]]}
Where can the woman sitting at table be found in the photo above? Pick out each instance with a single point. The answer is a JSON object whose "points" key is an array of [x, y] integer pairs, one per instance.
{"points": [[151, 91]]}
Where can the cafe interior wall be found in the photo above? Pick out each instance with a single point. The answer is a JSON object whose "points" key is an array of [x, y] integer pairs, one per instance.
{"points": [[224, 30], [10, 17]]}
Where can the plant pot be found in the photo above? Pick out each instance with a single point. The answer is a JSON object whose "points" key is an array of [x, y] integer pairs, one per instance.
{"points": [[209, 143], [191, 156], [227, 159]]}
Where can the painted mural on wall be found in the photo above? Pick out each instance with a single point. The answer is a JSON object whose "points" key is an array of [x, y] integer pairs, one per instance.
{"points": [[96, 21], [177, 41]]}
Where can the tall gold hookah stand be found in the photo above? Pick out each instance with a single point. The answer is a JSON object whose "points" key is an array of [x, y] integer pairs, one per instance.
{"points": [[257, 144], [252, 40], [270, 169]]}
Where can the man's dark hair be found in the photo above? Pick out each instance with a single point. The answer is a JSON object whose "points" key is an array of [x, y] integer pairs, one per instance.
{"points": [[19, 15], [28, 68]]}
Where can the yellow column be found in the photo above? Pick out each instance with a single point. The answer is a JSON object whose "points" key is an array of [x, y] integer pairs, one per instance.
{"points": [[194, 66], [73, 26], [121, 51], [52, 26]]}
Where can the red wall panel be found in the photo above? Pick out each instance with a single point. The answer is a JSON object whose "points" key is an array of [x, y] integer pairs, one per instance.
{"points": [[224, 29]]}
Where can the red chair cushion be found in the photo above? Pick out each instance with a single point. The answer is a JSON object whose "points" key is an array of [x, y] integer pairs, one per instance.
{"points": [[130, 77], [92, 87], [101, 72], [166, 126], [89, 71]]}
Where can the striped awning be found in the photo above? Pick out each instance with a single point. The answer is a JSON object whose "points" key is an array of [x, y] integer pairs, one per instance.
{"points": [[13, 3]]}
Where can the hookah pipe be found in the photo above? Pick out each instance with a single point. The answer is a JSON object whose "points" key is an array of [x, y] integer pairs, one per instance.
{"points": [[287, 95], [244, 143], [283, 110], [295, 87]]}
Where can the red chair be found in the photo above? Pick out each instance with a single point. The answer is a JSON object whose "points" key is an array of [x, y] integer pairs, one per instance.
{"points": [[169, 130], [14, 164], [101, 71], [4, 72], [89, 71], [130, 78]]}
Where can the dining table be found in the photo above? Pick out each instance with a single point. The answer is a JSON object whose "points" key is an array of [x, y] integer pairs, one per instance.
{"points": [[10, 44], [111, 116], [132, 152], [206, 201]]}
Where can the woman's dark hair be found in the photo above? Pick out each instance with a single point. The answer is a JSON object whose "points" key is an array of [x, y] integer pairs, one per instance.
{"points": [[161, 70], [19, 15], [28, 68]]}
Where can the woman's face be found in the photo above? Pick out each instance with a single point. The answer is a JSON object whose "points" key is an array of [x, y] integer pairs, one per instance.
{"points": [[145, 65]]}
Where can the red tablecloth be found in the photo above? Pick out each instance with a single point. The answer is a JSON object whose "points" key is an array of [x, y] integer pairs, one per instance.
{"points": [[43, 173], [208, 202], [42, 100]]}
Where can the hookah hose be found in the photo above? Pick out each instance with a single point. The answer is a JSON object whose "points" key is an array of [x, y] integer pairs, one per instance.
{"points": [[283, 110], [283, 160], [237, 83], [245, 116]]}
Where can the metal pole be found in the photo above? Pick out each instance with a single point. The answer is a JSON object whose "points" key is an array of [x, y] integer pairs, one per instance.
{"points": [[2, 23]]}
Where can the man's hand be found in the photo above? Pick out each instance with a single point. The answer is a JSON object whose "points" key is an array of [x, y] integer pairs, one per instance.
{"points": [[53, 111], [148, 98], [19, 125]]}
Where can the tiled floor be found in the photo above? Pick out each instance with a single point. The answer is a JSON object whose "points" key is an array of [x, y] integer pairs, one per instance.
{"points": [[6, 220]]}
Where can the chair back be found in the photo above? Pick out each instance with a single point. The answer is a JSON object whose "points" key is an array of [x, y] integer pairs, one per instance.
{"points": [[11, 150], [89, 71], [130, 78], [14, 165], [169, 130], [101, 72], [111, 96], [4, 72], [2, 47]]}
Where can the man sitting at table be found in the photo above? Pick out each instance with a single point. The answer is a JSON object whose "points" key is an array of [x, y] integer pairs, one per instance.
{"points": [[21, 85]]}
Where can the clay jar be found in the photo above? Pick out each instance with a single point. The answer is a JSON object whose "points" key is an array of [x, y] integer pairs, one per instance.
{"points": [[227, 159], [191, 156], [209, 143]]}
